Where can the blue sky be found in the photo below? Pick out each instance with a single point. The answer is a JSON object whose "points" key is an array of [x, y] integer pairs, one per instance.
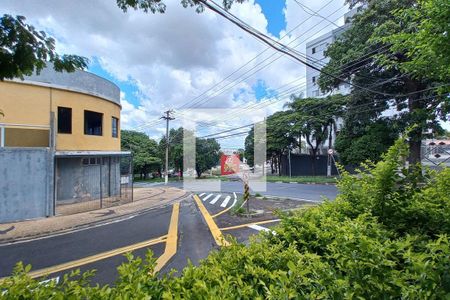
{"points": [[273, 10], [128, 87]]}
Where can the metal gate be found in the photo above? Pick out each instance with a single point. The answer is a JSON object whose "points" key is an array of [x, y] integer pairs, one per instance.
{"points": [[436, 153], [92, 182]]}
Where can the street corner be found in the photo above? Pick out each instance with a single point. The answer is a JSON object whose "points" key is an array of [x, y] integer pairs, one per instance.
{"points": [[227, 214]]}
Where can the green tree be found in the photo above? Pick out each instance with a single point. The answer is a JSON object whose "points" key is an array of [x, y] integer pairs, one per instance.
{"points": [[158, 6], [356, 145], [175, 148], [279, 138], [314, 119], [360, 55], [421, 32], [250, 147], [24, 50], [207, 155], [144, 151]]}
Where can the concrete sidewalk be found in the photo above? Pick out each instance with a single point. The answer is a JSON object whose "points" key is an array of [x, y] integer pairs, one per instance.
{"points": [[144, 200]]}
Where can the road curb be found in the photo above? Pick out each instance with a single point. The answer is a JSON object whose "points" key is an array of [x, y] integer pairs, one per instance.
{"points": [[106, 221], [309, 183], [270, 197]]}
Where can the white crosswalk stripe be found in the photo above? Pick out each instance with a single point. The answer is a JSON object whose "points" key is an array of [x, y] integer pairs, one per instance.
{"points": [[260, 228], [213, 201], [202, 194], [225, 202], [207, 197]]}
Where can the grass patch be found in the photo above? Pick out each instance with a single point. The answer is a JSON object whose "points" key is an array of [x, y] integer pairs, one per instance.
{"points": [[302, 179], [238, 209]]}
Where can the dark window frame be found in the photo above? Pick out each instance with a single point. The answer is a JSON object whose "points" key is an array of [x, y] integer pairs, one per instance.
{"points": [[89, 130], [91, 161], [313, 50], [67, 129], [114, 130]]}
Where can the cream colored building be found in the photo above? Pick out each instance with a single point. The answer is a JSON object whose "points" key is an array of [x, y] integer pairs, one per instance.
{"points": [[76, 116]]}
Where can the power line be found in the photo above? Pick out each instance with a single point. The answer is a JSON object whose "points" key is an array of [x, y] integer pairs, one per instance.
{"points": [[217, 133], [230, 135], [156, 121], [281, 47]]}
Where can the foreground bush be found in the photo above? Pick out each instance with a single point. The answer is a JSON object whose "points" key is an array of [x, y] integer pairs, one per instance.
{"points": [[385, 237]]}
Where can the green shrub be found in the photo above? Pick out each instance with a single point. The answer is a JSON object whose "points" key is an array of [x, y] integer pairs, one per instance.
{"points": [[386, 236], [401, 198]]}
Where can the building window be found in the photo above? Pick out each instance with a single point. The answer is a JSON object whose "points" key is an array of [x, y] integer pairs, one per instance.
{"points": [[313, 50], [314, 79], [316, 93], [115, 127], [90, 161], [93, 123], [64, 120]]}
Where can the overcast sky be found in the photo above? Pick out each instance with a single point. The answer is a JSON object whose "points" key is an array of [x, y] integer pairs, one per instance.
{"points": [[165, 61]]}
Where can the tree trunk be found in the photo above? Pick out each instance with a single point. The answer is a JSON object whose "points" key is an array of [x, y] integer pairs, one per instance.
{"points": [[271, 165], [313, 153], [279, 164], [417, 118]]}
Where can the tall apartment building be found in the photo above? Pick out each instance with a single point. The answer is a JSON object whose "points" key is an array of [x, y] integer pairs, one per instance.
{"points": [[315, 53]]}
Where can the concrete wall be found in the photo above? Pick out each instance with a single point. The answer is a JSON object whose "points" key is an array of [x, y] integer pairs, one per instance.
{"points": [[305, 165], [26, 183], [77, 182]]}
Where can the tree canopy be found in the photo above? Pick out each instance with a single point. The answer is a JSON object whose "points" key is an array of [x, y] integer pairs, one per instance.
{"points": [[159, 6], [24, 50], [421, 32], [207, 155], [369, 55], [144, 150]]}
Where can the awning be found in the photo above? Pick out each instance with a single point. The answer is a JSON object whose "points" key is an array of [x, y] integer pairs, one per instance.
{"points": [[91, 153]]}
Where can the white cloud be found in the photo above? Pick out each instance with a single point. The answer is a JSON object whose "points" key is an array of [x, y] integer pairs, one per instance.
{"points": [[176, 56]]}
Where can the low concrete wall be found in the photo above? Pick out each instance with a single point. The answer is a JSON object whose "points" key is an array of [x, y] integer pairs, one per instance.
{"points": [[26, 183]]}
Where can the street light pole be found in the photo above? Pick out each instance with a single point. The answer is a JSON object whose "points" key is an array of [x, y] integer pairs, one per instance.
{"points": [[168, 118]]}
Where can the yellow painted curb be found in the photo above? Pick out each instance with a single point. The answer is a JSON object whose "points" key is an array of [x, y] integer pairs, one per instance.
{"points": [[213, 228], [94, 258], [248, 224], [222, 212], [172, 239]]}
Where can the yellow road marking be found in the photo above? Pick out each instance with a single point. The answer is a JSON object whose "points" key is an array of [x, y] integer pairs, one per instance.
{"points": [[96, 257], [222, 212], [215, 231], [172, 239], [248, 224]]}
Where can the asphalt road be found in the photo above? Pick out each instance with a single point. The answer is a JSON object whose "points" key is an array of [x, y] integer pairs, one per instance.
{"points": [[314, 192], [102, 247]]}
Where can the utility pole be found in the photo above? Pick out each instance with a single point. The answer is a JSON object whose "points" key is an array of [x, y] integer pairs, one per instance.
{"points": [[168, 118]]}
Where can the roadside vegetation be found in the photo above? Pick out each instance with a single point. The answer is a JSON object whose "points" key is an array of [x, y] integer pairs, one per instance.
{"points": [[386, 236]]}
